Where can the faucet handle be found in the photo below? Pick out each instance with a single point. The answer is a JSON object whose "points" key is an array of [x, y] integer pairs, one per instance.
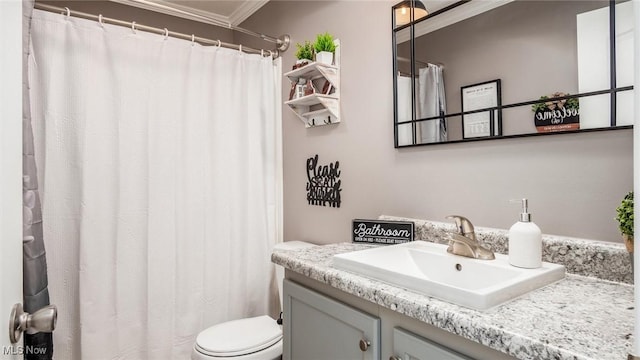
{"points": [[463, 224]]}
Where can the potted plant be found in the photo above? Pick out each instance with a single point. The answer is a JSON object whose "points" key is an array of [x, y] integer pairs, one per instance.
{"points": [[625, 220], [304, 54], [325, 47]]}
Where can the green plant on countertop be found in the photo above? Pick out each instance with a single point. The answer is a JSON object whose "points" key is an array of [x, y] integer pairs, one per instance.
{"points": [[625, 220], [305, 51], [324, 42]]}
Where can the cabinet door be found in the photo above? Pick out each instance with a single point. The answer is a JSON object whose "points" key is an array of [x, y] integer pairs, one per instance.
{"points": [[407, 346], [319, 328]]}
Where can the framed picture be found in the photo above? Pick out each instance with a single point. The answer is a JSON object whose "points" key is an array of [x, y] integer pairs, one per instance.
{"points": [[481, 96]]}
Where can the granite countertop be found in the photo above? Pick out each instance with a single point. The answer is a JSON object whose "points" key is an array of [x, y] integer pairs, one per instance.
{"points": [[577, 318]]}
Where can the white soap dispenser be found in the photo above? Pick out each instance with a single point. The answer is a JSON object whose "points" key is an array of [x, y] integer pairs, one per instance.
{"points": [[525, 241]]}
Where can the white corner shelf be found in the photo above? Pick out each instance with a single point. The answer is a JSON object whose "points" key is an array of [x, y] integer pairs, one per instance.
{"points": [[314, 71], [318, 109]]}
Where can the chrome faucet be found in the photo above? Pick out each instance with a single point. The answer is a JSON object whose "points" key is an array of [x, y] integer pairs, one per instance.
{"points": [[464, 242]]}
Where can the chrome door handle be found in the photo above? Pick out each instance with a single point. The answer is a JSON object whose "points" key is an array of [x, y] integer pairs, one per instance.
{"points": [[43, 320]]}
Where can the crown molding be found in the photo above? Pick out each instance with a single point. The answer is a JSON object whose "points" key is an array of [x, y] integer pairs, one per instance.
{"points": [[245, 10], [452, 16], [178, 10]]}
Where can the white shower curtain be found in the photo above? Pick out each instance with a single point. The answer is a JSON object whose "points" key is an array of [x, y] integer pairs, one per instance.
{"points": [[431, 102], [157, 158]]}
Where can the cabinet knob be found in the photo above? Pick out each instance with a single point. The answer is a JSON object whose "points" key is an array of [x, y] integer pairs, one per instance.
{"points": [[364, 344], [393, 357]]}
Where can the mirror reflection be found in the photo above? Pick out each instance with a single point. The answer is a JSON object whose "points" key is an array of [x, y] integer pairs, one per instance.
{"points": [[514, 68]]}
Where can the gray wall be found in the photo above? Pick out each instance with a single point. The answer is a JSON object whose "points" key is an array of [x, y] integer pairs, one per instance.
{"points": [[573, 181]]}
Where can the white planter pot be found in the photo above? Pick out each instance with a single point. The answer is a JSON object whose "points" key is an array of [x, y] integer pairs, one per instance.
{"points": [[324, 57]]}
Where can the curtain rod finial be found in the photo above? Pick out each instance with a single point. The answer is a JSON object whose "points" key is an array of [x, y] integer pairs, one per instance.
{"points": [[283, 42]]}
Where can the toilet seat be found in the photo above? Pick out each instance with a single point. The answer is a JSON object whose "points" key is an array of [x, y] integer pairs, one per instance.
{"points": [[239, 337]]}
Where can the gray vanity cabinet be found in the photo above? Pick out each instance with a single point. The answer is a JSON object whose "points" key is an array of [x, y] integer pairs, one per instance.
{"points": [[407, 346], [319, 328]]}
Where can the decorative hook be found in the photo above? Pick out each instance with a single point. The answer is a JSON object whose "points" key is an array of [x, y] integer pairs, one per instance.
{"points": [[166, 33], [133, 26], [68, 12]]}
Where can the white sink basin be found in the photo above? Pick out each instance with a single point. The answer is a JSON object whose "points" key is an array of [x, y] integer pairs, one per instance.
{"points": [[428, 268]]}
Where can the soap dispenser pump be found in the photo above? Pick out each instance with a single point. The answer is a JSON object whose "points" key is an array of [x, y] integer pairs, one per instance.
{"points": [[525, 241]]}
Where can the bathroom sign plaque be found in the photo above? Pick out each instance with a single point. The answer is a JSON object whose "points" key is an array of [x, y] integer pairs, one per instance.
{"points": [[382, 232]]}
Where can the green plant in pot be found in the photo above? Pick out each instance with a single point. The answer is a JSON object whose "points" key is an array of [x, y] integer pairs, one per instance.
{"points": [[325, 47], [624, 215], [304, 53]]}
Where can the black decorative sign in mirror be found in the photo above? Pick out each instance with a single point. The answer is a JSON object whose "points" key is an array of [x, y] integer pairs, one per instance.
{"points": [[323, 183], [564, 67]]}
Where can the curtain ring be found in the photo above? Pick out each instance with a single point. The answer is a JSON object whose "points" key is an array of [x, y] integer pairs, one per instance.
{"points": [[166, 33], [219, 43], [68, 12], [133, 26], [193, 39], [240, 48], [270, 53], [100, 21], [262, 52]]}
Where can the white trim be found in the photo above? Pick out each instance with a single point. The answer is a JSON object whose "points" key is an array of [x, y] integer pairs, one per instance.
{"points": [[177, 10], [636, 176], [11, 160], [245, 10]]}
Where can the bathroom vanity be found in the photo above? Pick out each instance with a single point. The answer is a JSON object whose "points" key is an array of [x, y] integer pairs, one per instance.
{"points": [[330, 313]]}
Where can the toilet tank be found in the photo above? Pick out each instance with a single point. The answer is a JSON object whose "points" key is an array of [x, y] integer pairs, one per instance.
{"points": [[287, 245]]}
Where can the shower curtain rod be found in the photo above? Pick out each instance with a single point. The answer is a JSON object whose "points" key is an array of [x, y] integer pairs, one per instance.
{"points": [[163, 7], [135, 26]]}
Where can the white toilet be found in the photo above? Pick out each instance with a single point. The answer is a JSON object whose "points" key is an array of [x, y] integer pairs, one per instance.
{"points": [[256, 338]]}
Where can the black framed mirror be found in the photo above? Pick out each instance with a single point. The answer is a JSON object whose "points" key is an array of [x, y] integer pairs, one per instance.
{"points": [[482, 70]]}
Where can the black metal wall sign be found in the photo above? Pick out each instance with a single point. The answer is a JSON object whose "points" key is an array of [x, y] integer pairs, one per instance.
{"points": [[382, 232], [323, 185]]}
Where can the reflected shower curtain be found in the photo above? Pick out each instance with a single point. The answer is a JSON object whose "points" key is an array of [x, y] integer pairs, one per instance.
{"points": [[157, 163], [431, 102]]}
